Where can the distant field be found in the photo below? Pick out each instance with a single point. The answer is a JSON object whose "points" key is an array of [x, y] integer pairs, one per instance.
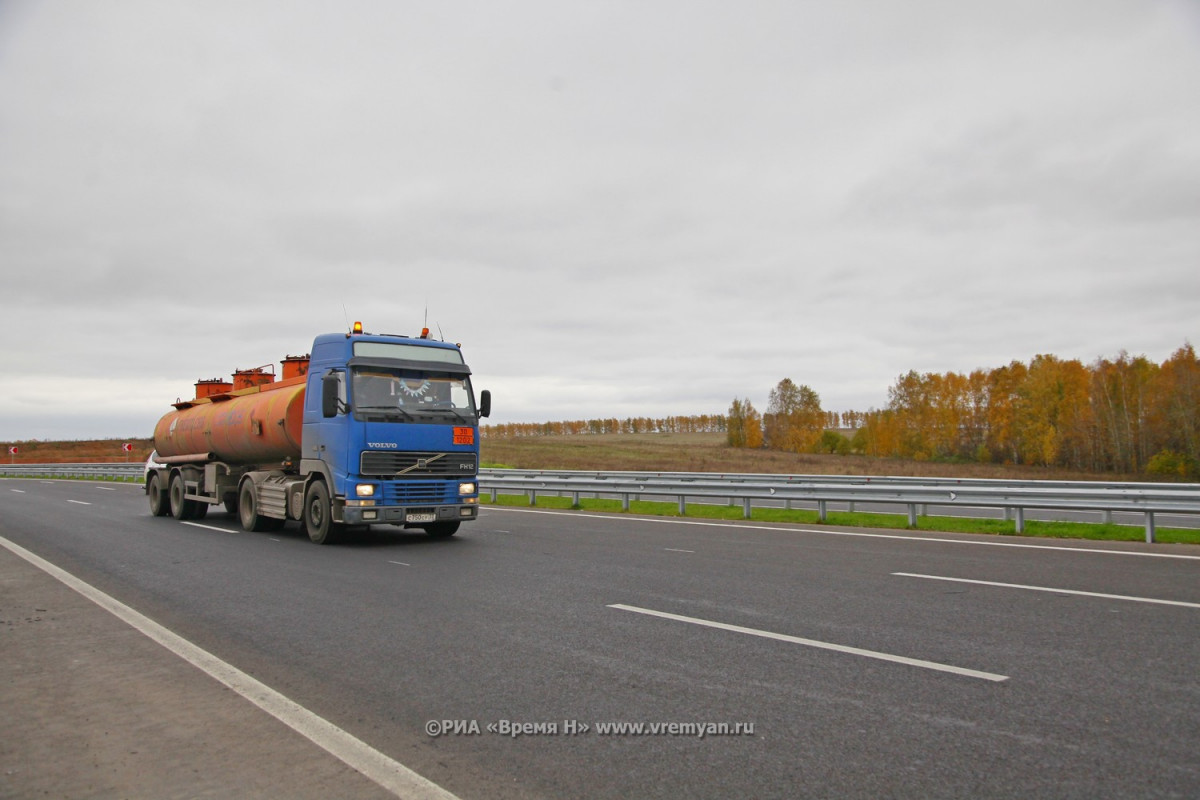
{"points": [[707, 452], [661, 452]]}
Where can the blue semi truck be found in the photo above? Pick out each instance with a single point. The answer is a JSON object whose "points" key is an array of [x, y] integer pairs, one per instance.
{"points": [[367, 429]]}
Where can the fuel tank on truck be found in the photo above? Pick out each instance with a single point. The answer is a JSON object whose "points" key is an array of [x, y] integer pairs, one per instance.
{"points": [[257, 425]]}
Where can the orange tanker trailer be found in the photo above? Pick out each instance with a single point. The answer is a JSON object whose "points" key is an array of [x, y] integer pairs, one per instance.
{"points": [[254, 420]]}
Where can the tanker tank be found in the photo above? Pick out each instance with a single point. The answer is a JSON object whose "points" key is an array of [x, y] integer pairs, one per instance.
{"points": [[257, 425]]}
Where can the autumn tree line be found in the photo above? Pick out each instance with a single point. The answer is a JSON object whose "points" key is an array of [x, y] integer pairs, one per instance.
{"points": [[1126, 415]]}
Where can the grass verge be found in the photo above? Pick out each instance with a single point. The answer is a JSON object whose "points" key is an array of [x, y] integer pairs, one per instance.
{"points": [[858, 519]]}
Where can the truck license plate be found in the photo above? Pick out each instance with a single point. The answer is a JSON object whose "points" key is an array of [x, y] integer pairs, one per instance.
{"points": [[420, 518]]}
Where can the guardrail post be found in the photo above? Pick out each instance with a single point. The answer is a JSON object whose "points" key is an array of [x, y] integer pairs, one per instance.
{"points": [[533, 497], [746, 508], [495, 491], [1019, 527], [574, 499], [912, 515], [1108, 516], [682, 506], [625, 501], [1150, 527], [822, 510]]}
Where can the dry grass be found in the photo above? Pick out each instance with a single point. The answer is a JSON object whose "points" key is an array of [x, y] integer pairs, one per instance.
{"points": [[707, 452], [660, 452], [90, 451]]}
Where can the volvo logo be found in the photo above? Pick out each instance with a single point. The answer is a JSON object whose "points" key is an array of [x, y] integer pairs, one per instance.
{"points": [[383, 445]]}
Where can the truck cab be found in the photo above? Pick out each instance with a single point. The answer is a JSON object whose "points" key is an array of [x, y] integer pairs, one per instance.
{"points": [[391, 431]]}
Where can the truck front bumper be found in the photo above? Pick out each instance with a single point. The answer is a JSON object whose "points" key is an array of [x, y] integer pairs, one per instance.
{"points": [[407, 515]]}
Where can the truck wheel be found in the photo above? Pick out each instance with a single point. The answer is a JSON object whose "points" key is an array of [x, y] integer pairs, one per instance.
{"points": [[231, 503], [248, 510], [318, 517], [180, 508], [441, 530], [159, 505]]}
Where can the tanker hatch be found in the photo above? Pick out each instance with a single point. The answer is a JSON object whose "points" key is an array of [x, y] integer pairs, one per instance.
{"points": [[212, 386], [249, 378], [294, 366]]}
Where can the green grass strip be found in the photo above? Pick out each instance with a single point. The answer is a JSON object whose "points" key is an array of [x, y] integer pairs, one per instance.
{"points": [[859, 519]]}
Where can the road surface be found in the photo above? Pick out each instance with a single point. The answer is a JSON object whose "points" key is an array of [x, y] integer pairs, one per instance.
{"points": [[566, 654]]}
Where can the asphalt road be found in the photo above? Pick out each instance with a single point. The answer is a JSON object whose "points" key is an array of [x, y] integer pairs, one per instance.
{"points": [[865, 662]]}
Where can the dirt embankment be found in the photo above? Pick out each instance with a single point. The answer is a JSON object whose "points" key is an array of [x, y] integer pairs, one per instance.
{"points": [[92, 451]]}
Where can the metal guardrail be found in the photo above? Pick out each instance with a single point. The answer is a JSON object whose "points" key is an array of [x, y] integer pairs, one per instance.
{"points": [[1015, 497], [915, 494], [116, 471]]}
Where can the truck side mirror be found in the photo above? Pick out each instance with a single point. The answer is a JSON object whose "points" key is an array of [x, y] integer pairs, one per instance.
{"points": [[485, 403], [329, 395]]}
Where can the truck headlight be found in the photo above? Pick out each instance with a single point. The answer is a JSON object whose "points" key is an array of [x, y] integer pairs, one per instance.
{"points": [[466, 488], [365, 490]]}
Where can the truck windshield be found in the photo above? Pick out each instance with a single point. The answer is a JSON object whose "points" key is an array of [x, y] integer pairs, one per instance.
{"points": [[412, 396]]}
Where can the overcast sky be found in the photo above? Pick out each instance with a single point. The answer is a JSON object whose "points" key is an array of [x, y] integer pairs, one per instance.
{"points": [[619, 209]]}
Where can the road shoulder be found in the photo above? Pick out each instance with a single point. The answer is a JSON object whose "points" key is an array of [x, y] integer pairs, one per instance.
{"points": [[95, 709]]}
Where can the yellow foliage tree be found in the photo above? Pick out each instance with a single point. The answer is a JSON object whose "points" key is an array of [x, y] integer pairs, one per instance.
{"points": [[794, 420]]}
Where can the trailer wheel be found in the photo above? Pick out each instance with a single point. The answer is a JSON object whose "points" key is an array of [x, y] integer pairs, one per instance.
{"points": [[442, 530], [231, 503], [159, 505], [318, 519], [248, 510], [181, 508]]}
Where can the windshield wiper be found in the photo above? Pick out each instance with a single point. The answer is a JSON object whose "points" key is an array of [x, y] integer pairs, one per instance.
{"points": [[386, 411], [463, 417]]}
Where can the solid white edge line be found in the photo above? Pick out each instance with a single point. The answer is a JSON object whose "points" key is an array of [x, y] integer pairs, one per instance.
{"points": [[1102, 595], [926, 539], [841, 648], [387, 772]]}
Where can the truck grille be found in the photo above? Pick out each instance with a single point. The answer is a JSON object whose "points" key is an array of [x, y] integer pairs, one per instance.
{"points": [[407, 493], [443, 465]]}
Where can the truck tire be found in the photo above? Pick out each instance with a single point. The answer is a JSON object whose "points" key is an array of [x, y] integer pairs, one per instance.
{"points": [[231, 503], [318, 517], [181, 508], [248, 510], [442, 530], [159, 504]]}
